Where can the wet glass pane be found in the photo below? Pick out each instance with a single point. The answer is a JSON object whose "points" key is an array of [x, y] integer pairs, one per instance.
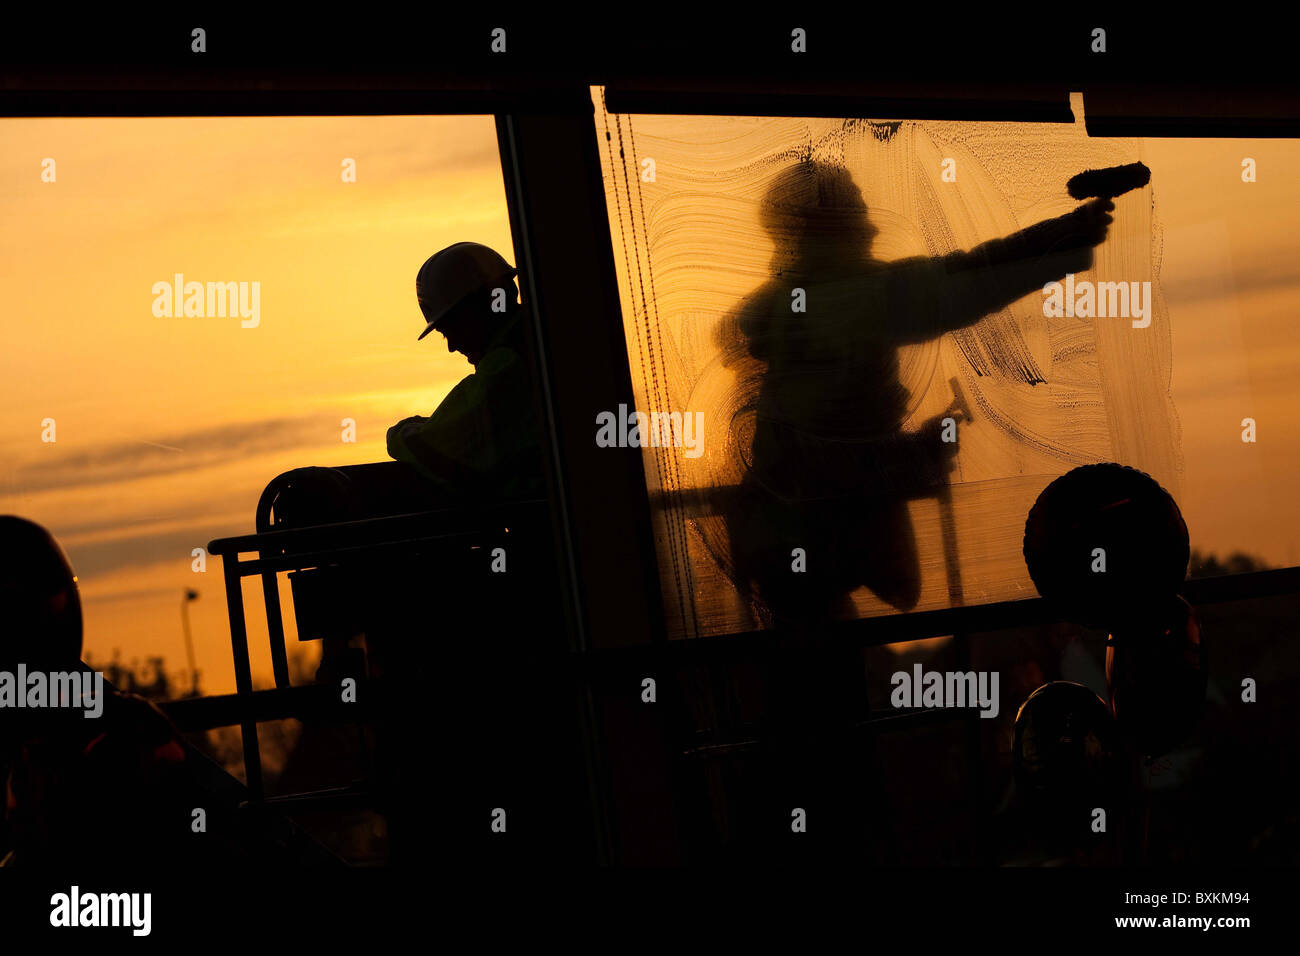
{"points": [[814, 308]]}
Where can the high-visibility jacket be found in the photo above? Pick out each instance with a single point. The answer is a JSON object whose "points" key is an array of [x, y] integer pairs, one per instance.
{"points": [[483, 442]]}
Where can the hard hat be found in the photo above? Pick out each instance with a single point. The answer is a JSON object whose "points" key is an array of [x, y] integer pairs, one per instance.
{"points": [[451, 275], [1122, 516], [39, 601]]}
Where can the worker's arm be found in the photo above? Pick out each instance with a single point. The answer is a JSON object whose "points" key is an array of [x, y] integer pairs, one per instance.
{"points": [[957, 290], [441, 447], [918, 299], [468, 445]]}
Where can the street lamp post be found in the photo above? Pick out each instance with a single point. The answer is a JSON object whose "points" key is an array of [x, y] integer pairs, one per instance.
{"points": [[190, 595]]}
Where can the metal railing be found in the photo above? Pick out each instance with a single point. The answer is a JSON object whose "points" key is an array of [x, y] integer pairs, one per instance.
{"points": [[405, 535], [344, 543]]}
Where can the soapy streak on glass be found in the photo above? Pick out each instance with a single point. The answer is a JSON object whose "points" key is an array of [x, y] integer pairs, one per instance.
{"points": [[821, 427]]}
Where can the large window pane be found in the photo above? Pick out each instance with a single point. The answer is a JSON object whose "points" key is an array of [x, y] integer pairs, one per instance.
{"points": [[785, 282]]}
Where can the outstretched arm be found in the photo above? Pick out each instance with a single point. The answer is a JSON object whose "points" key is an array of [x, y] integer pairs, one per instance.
{"points": [[915, 300], [963, 287]]}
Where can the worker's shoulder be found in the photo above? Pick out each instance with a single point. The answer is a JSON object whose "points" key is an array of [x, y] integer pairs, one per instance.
{"points": [[771, 293]]}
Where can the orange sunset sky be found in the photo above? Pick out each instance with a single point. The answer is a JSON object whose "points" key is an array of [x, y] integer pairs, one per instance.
{"points": [[169, 428]]}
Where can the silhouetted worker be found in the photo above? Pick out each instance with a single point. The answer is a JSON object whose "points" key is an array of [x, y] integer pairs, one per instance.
{"points": [[831, 470], [481, 445], [78, 788], [119, 786], [482, 442]]}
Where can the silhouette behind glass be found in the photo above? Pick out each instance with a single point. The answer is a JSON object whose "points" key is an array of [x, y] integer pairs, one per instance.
{"points": [[830, 469]]}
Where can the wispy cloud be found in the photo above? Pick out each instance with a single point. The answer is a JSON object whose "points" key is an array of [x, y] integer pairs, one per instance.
{"points": [[128, 458], [95, 559]]}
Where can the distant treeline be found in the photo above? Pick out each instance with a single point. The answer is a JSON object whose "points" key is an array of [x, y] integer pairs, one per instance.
{"points": [[1209, 566]]}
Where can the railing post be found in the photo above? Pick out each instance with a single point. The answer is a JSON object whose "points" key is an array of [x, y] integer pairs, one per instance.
{"points": [[243, 670]]}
